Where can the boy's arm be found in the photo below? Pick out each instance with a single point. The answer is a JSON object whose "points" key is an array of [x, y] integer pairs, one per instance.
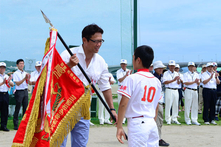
{"points": [[121, 113], [155, 118]]}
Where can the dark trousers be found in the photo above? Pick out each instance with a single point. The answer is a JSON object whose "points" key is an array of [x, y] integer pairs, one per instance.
{"points": [[209, 98], [180, 97], [21, 97], [4, 102]]}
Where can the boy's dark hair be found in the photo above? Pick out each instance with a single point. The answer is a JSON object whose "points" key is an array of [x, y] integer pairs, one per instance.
{"points": [[19, 60], [146, 54], [90, 30]]}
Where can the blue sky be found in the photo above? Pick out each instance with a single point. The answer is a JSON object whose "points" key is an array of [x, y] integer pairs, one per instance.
{"points": [[179, 30]]}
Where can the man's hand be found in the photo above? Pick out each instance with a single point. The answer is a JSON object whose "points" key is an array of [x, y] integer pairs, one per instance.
{"points": [[73, 61], [115, 115], [176, 78], [10, 78], [196, 80], [216, 75], [27, 76], [120, 133], [4, 80]]}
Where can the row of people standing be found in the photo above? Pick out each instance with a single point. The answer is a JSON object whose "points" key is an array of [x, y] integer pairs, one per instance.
{"points": [[21, 80]]}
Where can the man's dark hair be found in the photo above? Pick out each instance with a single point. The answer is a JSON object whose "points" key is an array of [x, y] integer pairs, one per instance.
{"points": [[146, 54], [19, 60], [90, 30]]}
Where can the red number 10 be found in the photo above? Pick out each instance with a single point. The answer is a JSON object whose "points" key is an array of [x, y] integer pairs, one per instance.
{"points": [[149, 97]]}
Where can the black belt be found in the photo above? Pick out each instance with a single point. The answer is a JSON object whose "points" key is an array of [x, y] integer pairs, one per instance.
{"points": [[210, 88], [171, 88], [22, 90], [201, 86], [3, 92], [191, 89]]}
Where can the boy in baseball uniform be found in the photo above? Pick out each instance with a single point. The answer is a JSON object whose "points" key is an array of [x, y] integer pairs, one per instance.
{"points": [[139, 104]]}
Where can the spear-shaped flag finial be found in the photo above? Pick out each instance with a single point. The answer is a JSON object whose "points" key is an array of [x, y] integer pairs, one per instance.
{"points": [[46, 19]]}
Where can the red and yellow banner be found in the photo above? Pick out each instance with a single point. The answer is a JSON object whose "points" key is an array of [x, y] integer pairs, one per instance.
{"points": [[58, 102]]}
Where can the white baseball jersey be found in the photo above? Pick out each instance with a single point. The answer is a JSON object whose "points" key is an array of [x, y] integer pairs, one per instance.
{"points": [[190, 77], [144, 91]]}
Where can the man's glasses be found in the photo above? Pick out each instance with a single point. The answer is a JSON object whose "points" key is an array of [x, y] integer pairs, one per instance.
{"points": [[97, 41]]}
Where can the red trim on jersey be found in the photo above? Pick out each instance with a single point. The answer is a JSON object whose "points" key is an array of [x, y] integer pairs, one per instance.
{"points": [[124, 93], [144, 75], [143, 69]]}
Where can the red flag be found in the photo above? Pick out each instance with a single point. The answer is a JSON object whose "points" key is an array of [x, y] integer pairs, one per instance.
{"points": [[58, 101]]}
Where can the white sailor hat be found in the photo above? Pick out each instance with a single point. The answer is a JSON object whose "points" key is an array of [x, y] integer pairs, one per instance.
{"points": [[158, 64], [172, 62], [209, 64], [214, 64], [177, 66], [191, 63], [3, 64], [123, 61], [38, 63]]}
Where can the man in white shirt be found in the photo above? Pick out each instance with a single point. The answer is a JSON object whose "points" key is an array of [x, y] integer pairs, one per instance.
{"points": [[95, 67], [21, 78], [191, 81], [210, 81], [200, 105], [171, 80], [5, 84], [35, 74], [121, 75], [180, 87]]}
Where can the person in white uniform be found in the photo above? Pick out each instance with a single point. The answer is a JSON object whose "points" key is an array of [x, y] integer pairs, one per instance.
{"points": [[5, 84], [96, 69], [35, 74], [200, 103], [140, 96], [180, 87], [121, 75], [210, 80], [103, 114], [171, 80], [191, 80]]}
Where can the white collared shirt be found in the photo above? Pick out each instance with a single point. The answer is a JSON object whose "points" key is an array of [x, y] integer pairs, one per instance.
{"points": [[120, 74], [18, 75], [4, 87], [212, 83], [34, 76], [181, 78], [167, 76], [190, 77], [97, 69]]}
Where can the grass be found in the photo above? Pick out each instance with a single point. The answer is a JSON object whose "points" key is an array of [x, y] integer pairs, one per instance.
{"points": [[95, 120]]}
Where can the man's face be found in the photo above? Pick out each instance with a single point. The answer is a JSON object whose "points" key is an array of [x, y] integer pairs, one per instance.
{"points": [[38, 68], [214, 68], [210, 68], [191, 68], [20, 65], [171, 67], [94, 44], [123, 66], [159, 71], [151, 68], [177, 69], [204, 69], [2, 69]]}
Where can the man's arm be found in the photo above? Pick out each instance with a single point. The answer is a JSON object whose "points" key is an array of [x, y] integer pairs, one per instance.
{"points": [[121, 113], [170, 81], [108, 97], [207, 80], [20, 82]]}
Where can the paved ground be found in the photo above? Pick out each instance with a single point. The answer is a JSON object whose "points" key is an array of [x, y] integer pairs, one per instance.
{"points": [[177, 136]]}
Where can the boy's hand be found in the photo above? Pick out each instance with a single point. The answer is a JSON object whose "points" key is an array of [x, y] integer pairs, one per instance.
{"points": [[120, 133], [115, 114]]}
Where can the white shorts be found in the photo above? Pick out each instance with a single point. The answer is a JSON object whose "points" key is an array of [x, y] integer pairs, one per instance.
{"points": [[142, 132]]}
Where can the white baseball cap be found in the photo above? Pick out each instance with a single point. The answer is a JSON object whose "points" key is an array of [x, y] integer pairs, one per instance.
{"points": [[177, 66], [214, 64], [172, 62], [158, 64], [209, 64], [3, 64], [204, 65], [191, 63], [38, 63], [123, 61]]}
